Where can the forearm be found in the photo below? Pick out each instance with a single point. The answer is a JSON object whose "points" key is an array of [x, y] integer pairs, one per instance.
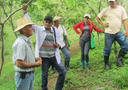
{"points": [[23, 64], [125, 25], [99, 21], [98, 30], [76, 28]]}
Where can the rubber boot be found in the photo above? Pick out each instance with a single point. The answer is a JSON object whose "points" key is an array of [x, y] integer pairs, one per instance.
{"points": [[87, 61], [83, 65], [87, 64], [106, 61], [119, 59]]}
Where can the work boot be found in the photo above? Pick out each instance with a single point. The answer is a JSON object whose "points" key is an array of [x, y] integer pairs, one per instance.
{"points": [[106, 61], [67, 65], [119, 59]]}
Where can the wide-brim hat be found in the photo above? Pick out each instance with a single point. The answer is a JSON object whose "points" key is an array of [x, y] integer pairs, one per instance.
{"points": [[21, 23], [87, 15], [111, 0], [56, 18]]}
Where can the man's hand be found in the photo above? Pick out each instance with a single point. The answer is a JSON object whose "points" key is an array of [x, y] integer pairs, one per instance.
{"points": [[24, 6], [38, 59], [106, 25], [56, 45], [67, 47], [126, 34], [38, 62], [102, 31]]}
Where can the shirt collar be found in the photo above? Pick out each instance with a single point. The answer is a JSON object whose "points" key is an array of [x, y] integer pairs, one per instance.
{"points": [[51, 28], [24, 37]]}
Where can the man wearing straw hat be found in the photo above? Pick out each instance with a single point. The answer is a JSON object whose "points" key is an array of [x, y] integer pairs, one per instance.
{"points": [[115, 16], [64, 40], [47, 47], [23, 59]]}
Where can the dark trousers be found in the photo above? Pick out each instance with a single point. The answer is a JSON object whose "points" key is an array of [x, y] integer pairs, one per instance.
{"points": [[85, 46], [46, 63]]}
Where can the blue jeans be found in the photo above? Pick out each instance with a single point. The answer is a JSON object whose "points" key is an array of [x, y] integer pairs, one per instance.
{"points": [[46, 63], [26, 83], [110, 38], [66, 53]]}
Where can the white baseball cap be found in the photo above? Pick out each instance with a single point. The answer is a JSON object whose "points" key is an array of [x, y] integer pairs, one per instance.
{"points": [[87, 15], [111, 0]]}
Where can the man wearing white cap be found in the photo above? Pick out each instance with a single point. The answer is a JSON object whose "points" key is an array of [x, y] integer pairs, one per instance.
{"points": [[23, 59], [115, 16]]}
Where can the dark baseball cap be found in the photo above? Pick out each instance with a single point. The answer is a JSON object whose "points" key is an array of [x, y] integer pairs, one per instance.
{"points": [[48, 18]]}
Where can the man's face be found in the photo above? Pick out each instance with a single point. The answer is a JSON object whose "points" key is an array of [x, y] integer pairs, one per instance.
{"points": [[27, 31], [47, 24], [112, 4], [58, 22]]}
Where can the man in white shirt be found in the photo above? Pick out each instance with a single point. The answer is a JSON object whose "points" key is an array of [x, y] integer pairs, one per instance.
{"points": [[23, 60], [64, 40], [115, 16]]}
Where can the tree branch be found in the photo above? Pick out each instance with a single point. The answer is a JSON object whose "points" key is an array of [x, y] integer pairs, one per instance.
{"points": [[11, 22], [15, 12], [115, 50]]}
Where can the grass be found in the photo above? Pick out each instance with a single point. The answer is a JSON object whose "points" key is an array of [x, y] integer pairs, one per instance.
{"points": [[76, 79]]}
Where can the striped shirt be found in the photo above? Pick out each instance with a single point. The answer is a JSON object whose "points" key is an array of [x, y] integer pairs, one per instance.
{"points": [[22, 50], [48, 49]]}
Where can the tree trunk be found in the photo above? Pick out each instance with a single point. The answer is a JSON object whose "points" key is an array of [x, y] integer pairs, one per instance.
{"points": [[2, 48]]}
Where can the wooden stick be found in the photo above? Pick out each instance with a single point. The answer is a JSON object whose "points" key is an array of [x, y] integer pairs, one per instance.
{"points": [[2, 50]]}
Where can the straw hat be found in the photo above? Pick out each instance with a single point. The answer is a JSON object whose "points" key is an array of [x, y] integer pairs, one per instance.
{"points": [[56, 18], [111, 0], [21, 23], [87, 15]]}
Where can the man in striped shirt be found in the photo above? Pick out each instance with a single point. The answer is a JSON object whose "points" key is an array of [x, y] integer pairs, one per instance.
{"points": [[47, 47]]}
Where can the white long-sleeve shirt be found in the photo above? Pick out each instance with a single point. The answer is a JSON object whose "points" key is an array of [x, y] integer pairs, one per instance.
{"points": [[40, 37]]}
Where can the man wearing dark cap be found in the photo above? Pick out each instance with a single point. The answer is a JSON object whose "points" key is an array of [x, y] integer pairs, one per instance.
{"points": [[47, 47]]}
